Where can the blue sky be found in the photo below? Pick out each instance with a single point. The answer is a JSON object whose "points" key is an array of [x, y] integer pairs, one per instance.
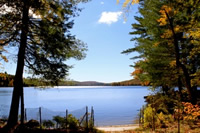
{"points": [[101, 25]]}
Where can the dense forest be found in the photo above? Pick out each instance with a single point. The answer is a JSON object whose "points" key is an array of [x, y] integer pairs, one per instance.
{"points": [[7, 80], [132, 82]]}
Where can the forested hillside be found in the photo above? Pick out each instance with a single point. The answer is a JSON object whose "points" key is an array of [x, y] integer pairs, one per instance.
{"points": [[7, 80], [132, 82]]}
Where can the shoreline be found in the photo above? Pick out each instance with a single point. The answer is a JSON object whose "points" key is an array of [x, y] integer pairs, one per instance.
{"points": [[118, 127]]}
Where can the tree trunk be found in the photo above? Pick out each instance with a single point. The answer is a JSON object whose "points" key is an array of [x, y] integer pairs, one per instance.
{"points": [[18, 82], [191, 91]]}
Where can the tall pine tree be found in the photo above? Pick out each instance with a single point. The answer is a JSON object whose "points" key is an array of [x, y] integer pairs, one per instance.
{"points": [[40, 29], [166, 38]]}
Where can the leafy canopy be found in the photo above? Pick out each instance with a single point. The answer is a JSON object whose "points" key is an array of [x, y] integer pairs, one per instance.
{"points": [[49, 41]]}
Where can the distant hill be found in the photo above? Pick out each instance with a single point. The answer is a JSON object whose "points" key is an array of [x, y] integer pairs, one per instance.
{"points": [[90, 83], [85, 83], [132, 82], [7, 80]]}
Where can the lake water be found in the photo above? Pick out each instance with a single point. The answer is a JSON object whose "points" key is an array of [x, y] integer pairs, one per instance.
{"points": [[112, 105]]}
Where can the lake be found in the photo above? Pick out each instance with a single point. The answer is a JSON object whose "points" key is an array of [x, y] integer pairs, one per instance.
{"points": [[113, 105]]}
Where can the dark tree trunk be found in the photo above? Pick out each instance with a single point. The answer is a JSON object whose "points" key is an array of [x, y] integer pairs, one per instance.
{"points": [[191, 91], [18, 82]]}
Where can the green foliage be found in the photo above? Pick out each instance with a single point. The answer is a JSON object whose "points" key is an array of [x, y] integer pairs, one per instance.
{"points": [[154, 51], [160, 109], [163, 102], [72, 122], [149, 116], [153, 119], [60, 121], [39, 30], [165, 37], [66, 83], [48, 123], [32, 124], [131, 82], [49, 41], [164, 120]]}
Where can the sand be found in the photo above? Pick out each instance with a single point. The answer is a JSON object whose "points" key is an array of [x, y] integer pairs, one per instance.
{"points": [[118, 127]]}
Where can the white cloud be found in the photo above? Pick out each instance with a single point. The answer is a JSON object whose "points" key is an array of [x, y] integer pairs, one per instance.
{"points": [[102, 3], [109, 17]]}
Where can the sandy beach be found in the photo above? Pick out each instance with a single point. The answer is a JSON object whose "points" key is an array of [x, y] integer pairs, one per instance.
{"points": [[118, 128]]}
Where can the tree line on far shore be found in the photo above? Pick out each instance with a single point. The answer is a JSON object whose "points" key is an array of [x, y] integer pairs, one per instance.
{"points": [[7, 80]]}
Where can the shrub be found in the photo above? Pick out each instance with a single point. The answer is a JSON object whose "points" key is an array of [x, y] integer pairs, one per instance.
{"points": [[60, 121], [152, 119], [48, 123], [149, 117], [32, 124], [72, 122]]}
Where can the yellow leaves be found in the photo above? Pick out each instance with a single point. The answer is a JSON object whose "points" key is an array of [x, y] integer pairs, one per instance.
{"points": [[4, 58], [168, 33], [156, 44], [128, 1], [162, 20], [134, 1], [195, 81], [177, 28], [195, 33], [2, 41], [195, 51], [165, 10], [173, 63]]}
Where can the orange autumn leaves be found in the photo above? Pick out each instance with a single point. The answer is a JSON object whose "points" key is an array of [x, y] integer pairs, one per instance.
{"points": [[136, 74], [189, 112], [192, 112]]}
